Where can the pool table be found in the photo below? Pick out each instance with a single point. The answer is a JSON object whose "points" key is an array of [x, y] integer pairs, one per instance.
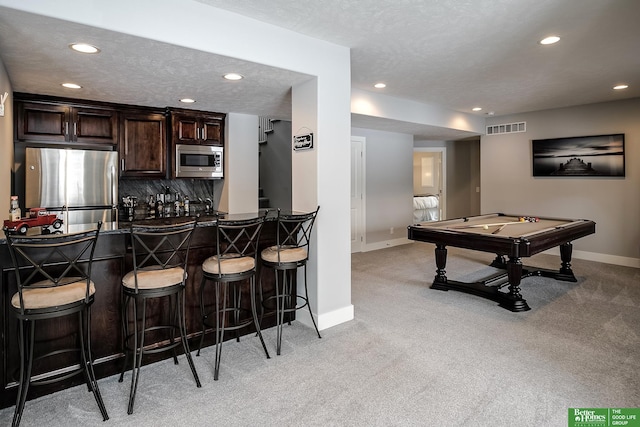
{"points": [[510, 238]]}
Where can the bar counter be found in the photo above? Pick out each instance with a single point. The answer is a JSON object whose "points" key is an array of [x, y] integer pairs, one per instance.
{"points": [[111, 262]]}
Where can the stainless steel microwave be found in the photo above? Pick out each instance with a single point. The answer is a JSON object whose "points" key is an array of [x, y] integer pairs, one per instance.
{"points": [[199, 161]]}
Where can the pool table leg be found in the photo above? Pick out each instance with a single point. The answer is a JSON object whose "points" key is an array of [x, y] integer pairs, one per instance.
{"points": [[499, 262], [511, 300], [565, 272], [441, 262], [514, 300]]}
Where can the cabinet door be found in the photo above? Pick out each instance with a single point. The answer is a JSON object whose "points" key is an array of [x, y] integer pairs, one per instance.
{"points": [[185, 129], [143, 148], [95, 126], [197, 129], [212, 131], [42, 122]]}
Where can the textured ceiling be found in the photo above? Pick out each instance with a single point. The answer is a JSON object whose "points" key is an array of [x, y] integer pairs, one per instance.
{"points": [[455, 53], [135, 71], [464, 53]]}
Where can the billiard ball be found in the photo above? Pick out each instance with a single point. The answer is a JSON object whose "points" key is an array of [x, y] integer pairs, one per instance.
{"points": [[485, 227]]}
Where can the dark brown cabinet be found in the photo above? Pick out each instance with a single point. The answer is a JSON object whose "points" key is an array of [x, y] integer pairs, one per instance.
{"points": [[61, 123], [195, 127], [143, 144], [145, 137]]}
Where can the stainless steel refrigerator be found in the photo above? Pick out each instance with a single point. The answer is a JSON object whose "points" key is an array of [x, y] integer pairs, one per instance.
{"points": [[83, 184]]}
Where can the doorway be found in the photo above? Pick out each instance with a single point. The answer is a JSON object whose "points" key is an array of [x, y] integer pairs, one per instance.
{"points": [[430, 176]]}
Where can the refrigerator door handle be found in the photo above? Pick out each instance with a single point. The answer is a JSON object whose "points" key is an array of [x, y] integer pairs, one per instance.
{"points": [[114, 188]]}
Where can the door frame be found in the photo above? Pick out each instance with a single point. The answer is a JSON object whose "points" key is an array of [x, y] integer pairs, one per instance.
{"points": [[361, 178], [443, 173]]}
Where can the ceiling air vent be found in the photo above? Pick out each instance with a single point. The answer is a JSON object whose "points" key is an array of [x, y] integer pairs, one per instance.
{"points": [[507, 128]]}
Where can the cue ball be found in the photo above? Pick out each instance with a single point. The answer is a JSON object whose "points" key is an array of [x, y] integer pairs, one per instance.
{"points": [[486, 227]]}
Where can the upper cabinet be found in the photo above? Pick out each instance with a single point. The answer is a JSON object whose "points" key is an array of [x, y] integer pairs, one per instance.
{"points": [[64, 123], [145, 137], [196, 127], [143, 144]]}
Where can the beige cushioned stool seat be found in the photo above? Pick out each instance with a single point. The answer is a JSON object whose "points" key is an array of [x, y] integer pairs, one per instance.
{"points": [[36, 298], [294, 254], [154, 278], [229, 264]]}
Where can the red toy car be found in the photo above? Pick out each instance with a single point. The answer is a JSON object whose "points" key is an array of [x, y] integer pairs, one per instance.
{"points": [[38, 217]]}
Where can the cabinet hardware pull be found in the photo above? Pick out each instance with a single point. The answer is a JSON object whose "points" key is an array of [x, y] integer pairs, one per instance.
{"points": [[66, 128], [204, 133], [197, 133], [122, 164], [75, 129]]}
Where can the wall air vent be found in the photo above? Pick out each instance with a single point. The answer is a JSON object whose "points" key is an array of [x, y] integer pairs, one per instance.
{"points": [[507, 128]]}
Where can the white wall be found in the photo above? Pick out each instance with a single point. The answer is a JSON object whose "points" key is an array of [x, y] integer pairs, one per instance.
{"points": [[389, 187], [6, 145], [240, 190], [613, 203], [389, 107]]}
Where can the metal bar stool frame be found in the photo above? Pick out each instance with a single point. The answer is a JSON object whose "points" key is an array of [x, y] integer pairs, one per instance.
{"points": [[293, 237], [157, 251], [53, 275], [235, 261]]}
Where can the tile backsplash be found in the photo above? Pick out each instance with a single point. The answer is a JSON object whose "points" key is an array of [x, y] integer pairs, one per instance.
{"points": [[197, 190]]}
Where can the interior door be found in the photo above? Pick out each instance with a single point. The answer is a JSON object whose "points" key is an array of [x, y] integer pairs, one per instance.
{"points": [[357, 193]]}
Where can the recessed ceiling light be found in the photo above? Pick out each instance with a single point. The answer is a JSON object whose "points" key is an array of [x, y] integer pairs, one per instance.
{"points": [[550, 40], [84, 48], [233, 76], [379, 85], [188, 100], [620, 87], [476, 109], [71, 86]]}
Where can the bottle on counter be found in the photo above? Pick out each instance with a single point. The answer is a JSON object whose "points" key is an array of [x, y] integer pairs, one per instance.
{"points": [[176, 205], [151, 207], [168, 203], [185, 202], [14, 210], [159, 205]]}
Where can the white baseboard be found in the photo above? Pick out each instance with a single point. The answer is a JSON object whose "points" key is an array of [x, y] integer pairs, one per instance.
{"points": [[605, 258], [385, 244], [327, 320], [336, 317]]}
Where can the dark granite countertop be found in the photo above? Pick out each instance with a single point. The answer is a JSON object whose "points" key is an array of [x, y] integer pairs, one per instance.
{"points": [[123, 226]]}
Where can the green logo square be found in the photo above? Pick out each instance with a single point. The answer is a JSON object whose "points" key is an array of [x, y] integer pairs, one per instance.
{"points": [[604, 417]]}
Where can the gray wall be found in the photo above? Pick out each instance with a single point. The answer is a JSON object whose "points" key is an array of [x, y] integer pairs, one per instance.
{"points": [[613, 203], [389, 184], [275, 166]]}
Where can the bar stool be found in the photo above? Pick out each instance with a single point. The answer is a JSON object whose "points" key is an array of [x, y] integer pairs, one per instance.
{"points": [[53, 276], [233, 264], [159, 256], [293, 235]]}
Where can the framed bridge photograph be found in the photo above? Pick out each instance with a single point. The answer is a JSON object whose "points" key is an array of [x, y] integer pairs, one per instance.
{"points": [[599, 155]]}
